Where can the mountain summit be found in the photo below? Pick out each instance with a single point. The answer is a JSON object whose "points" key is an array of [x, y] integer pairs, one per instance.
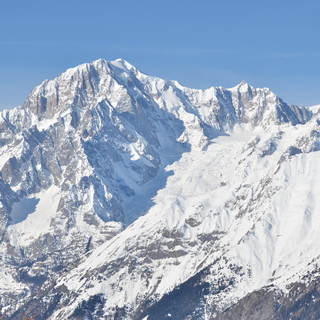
{"points": [[126, 196]]}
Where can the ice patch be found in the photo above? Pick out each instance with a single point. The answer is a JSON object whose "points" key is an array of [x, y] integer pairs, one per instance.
{"points": [[28, 227], [21, 210]]}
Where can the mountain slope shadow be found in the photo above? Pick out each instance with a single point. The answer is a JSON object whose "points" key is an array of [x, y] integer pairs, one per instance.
{"points": [[131, 158]]}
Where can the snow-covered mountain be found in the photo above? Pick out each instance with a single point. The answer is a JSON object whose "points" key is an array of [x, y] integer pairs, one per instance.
{"points": [[126, 196]]}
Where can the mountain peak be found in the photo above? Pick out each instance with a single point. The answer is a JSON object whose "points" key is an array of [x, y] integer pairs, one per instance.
{"points": [[243, 86], [122, 61], [122, 85], [243, 83], [124, 64]]}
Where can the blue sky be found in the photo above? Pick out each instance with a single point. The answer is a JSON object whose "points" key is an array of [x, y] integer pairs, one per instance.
{"points": [[200, 43]]}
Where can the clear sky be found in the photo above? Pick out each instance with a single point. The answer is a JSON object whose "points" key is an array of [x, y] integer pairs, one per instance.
{"points": [[200, 43]]}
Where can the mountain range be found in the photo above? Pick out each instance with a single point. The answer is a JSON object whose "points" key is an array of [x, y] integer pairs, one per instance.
{"points": [[126, 196]]}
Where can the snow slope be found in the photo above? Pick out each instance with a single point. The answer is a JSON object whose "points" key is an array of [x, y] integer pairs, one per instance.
{"points": [[258, 214]]}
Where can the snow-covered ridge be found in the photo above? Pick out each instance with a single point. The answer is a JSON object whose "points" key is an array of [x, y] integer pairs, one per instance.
{"points": [[315, 109], [91, 83], [159, 182]]}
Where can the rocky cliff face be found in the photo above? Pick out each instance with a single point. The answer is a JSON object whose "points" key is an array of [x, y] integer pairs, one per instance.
{"points": [[122, 192]]}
